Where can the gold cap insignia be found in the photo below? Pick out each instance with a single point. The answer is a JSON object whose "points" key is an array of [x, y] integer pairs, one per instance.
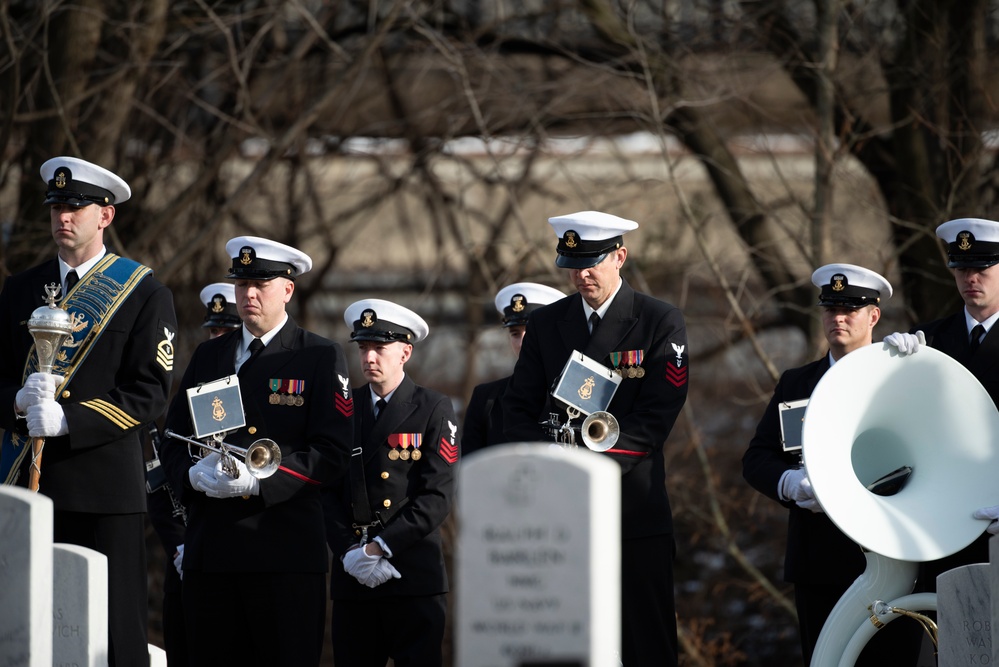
{"points": [[570, 240], [517, 303], [218, 304], [368, 318], [964, 240], [246, 255], [60, 179], [838, 283]]}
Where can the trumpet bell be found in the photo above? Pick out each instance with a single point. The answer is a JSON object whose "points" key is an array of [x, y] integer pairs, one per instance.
{"points": [[600, 431], [875, 413], [263, 458]]}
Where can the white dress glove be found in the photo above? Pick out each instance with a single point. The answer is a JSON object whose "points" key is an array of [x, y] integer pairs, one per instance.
{"points": [[221, 485], [178, 561], [38, 387], [991, 513], [46, 419], [794, 485], [384, 570], [906, 343], [360, 565], [202, 474]]}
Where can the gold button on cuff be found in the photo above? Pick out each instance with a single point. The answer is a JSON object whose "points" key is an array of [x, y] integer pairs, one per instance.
{"points": [[387, 503], [65, 394]]}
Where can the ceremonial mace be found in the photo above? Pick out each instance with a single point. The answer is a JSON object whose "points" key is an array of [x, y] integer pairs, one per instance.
{"points": [[51, 327]]}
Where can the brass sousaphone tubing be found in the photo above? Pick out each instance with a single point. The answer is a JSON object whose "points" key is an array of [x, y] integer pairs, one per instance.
{"points": [[262, 458]]}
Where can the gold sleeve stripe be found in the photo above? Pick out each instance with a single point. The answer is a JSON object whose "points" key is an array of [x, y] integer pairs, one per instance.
{"points": [[112, 412]]}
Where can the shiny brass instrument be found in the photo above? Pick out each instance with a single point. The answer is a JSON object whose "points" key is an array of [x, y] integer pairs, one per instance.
{"points": [[600, 431], [873, 414], [262, 458]]}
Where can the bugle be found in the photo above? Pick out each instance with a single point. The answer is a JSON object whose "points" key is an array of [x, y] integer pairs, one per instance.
{"points": [[600, 431], [262, 458]]}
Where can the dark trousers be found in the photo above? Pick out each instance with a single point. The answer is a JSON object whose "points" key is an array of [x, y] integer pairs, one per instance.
{"points": [[648, 610], [174, 634], [410, 630], [269, 619], [120, 537], [898, 643]]}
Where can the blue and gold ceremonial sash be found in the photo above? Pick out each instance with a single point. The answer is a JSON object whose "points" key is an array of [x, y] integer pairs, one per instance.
{"points": [[91, 305]]}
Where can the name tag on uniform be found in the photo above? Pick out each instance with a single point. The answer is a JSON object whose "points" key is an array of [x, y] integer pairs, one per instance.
{"points": [[216, 407], [792, 421], [586, 384]]}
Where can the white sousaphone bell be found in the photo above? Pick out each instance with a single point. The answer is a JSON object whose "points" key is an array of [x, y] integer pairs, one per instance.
{"points": [[875, 412]]}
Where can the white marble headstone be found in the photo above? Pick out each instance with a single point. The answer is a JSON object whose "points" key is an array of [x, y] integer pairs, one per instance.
{"points": [[538, 558], [994, 591], [80, 607], [964, 616], [25, 578]]}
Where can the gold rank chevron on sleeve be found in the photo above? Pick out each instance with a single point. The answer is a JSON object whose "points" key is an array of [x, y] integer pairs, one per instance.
{"points": [[112, 413]]}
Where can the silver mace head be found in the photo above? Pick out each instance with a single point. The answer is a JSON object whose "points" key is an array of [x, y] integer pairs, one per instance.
{"points": [[51, 327]]}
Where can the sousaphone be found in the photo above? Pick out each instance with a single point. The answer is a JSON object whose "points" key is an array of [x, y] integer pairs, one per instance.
{"points": [[875, 413]]}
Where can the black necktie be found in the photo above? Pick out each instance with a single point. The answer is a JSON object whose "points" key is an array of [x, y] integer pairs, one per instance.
{"points": [[379, 407], [594, 322], [256, 345], [71, 279], [976, 335]]}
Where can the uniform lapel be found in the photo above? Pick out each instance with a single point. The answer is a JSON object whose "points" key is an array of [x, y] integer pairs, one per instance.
{"points": [[226, 359], [255, 380], [616, 325], [572, 327]]}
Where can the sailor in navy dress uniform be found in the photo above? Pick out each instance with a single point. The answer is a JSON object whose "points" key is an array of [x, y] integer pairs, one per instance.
{"points": [[221, 315], [112, 379], [388, 581], [255, 551], [166, 513], [483, 423], [820, 560], [972, 256], [645, 340]]}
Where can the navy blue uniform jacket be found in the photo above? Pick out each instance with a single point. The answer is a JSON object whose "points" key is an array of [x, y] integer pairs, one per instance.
{"points": [[119, 388], [412, 498], [817, 551], [483, 424], [646, 407], [281, 529]]}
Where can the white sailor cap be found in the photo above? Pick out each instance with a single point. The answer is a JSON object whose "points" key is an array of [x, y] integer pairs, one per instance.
{"points": [[79, 183], [515, 302], [220, 304], [850, 286], [255, 258], [585, 238], [971, 242], [384, 322]]}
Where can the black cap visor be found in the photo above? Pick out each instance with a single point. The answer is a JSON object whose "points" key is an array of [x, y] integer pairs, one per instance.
{"points": [[261, 269], [578, 261], [381, 336], [972, 261]]}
